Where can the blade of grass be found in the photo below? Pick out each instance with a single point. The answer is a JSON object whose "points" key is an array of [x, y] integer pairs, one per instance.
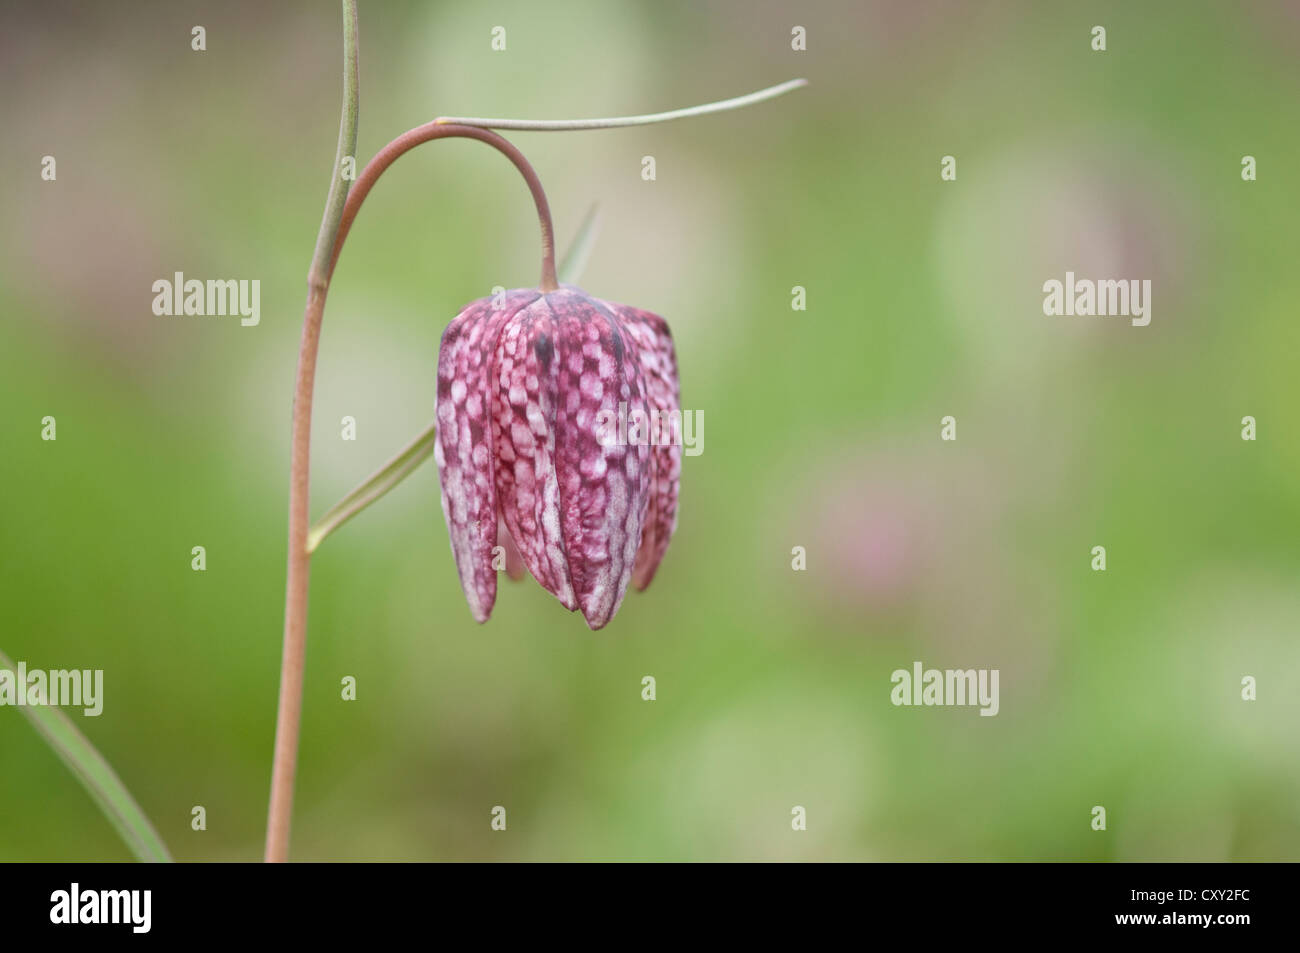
{"points": [[615, 122], [97, 776], [408, 460], [373, 487], [575, 261]]}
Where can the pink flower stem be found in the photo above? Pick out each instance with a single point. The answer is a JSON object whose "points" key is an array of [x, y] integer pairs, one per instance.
{"points": [[289, 716]]}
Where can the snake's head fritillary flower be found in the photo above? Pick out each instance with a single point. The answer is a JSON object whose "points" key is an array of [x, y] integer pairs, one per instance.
{"points": [[539, 449]]}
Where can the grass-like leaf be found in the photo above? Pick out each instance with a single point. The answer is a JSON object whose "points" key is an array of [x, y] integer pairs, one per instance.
{"points": [[575, 260], [617, 122], [373, 487], [97, 776]]}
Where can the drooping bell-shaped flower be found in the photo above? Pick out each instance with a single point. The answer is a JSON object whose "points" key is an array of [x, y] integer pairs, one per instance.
{"points": [[559, 439]]}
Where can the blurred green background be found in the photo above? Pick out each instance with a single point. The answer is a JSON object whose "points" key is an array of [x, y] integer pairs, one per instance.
{"points": [[1119, 689]]}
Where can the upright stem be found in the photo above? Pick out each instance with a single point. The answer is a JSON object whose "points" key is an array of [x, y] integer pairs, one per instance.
{"points": [[289, 715], [295, 607], [293, 657]]}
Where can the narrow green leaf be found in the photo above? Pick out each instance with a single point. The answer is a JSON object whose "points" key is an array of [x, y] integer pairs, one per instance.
{"points": [[420, 449], [616, 122], [373, 487], [575, 261], [97, 775], [346, 149]]}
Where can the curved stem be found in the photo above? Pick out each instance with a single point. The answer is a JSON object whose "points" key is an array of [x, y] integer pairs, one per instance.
{"points": [[438, 130], [295, 614]]}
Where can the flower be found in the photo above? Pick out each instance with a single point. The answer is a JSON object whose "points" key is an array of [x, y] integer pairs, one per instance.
{"points": [[526, 380]]}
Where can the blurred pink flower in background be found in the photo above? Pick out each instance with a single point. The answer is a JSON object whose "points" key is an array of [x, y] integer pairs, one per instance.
{"points": [[872, 528], [921, 543]]}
